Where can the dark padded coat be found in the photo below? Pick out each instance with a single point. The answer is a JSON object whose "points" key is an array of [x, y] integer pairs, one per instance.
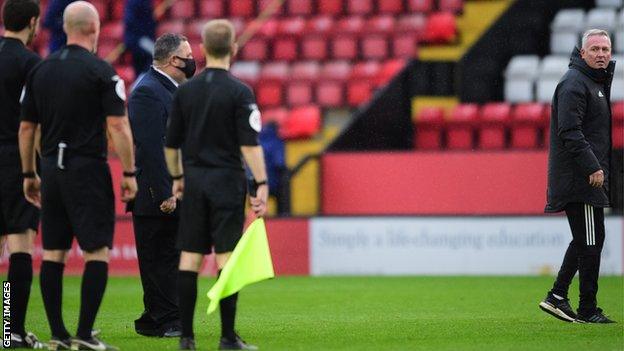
{"points": [[580, 136]]}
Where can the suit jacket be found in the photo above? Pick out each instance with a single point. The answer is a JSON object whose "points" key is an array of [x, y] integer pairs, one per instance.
{"points": [[148, 110]]}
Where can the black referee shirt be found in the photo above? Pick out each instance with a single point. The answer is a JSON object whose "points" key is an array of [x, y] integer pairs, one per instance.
{"points": [[212, 116], [15, 63], [70, 94]]}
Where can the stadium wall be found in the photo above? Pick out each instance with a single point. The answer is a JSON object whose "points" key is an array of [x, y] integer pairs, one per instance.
{"points": [[423, 245]]}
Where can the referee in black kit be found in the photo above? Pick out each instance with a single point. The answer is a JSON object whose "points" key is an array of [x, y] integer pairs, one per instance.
{"points": [[214, 120], [18, 218], [73, 95]]}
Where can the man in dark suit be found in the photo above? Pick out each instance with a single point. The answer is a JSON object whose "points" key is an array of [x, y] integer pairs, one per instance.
{"points": [[154, 214]]}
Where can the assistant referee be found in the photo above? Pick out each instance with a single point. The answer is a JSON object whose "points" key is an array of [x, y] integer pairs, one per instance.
{"points": [[214, 120], [73, 95]]}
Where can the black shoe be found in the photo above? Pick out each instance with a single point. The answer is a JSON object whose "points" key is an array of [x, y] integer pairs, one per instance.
{"points": [[187, 343], [170, 331], [235, 344], [596, 317], [91, 344], [28, 341], [146, 326], [559, 309], [57, 343]]}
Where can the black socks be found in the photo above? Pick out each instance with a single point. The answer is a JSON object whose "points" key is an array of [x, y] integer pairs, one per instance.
{"points": [[187, 290], [20, 275], [51, 277], [94, 279], [227, 309]]}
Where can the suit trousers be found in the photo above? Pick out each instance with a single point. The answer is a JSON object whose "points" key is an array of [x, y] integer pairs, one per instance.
{"points": [[583, 254], [158, 264]]}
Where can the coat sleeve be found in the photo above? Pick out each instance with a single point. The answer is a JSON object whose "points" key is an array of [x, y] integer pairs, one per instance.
{"points": [[571, 110], [147, 116]]}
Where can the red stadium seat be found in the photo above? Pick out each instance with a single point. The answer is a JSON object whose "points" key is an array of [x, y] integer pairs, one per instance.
{"points": [[336, 70], [174, 26], [193, 30], [330, 7], [299, 93], [344, 47], [305, 71], [493, 120], [374, 47], [269, 29], [300, 7], [394, 7], [263, 4], [105, 48], [389, 70], [441, 28], [359, 7], [618, 125], [302, 122], [314, 47], [352, 25], [285, 49], [117, 10], [319, 25], [454, 6], [526, 122], [275, 71], [358, 92], [112, 31], [276, 115], [102, 8], [428, 128], [380, 24], [460, 126], [211, 9], [365, 70], [419, 5], [415, 23], [241, 8], [198, 54], [183, 9], [269, 93], [404, 45], [330, 93], [291, 27], [256, 49]]}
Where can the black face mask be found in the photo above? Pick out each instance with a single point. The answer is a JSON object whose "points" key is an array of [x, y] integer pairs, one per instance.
{"points": [[189, 67]]}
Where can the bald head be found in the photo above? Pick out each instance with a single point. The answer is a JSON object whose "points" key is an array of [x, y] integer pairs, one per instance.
{"points": [[81, 18]]}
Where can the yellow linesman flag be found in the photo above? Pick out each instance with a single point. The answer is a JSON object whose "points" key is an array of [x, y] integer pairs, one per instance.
{"points": [[250, 262]]}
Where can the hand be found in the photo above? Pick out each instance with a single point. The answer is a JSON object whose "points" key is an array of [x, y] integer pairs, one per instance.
{"points": [[178, 188], [128, 189], [2, 244], [259, 202], [32, 190], [169, 205], [596, 179]]}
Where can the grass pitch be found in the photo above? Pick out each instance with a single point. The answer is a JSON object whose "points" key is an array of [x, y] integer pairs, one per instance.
{"points": [[366, 313]]}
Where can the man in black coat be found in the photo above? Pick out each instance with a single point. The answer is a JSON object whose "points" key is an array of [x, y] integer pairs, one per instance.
{"points": [[578, 172], [154, 214]]}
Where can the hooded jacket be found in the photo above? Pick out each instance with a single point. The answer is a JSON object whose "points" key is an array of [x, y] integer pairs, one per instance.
{"points": [[580, 135]]}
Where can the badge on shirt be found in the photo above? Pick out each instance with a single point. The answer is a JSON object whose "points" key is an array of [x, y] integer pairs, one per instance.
{"points": [[255, 120], [120, 87]]}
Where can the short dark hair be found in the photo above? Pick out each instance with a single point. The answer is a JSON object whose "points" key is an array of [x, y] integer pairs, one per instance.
{"points": [[166, 45], [218, 37], [16, 14]]}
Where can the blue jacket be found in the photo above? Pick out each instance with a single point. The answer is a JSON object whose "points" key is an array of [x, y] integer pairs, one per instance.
{"points": [[53, 22], [139, 22], [148, 110]]}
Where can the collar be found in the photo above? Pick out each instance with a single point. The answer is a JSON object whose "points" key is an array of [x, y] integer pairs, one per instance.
{"points": [[166, 75]]}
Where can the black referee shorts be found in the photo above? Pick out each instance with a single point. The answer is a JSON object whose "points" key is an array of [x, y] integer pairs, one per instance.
{"points": [[77, 201], [16, 214], [213, 210]]}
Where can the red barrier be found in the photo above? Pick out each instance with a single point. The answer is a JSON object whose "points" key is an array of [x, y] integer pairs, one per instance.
{"points": [[434, 183]]}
